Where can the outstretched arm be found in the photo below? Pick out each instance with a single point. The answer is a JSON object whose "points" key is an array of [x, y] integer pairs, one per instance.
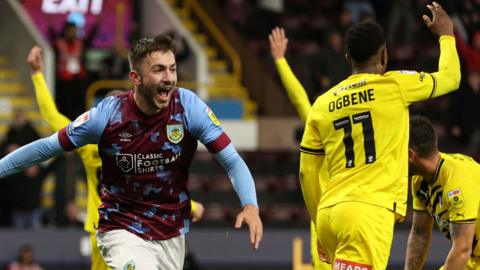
{"points": [[295, 91], [418, 240], [245, 188], [30, 154], [448, 75], [45, 101]]}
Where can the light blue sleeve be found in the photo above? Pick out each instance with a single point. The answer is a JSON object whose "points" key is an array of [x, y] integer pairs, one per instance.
{"points": [[30, 154], [239, 175], [89, 127], [200, 120]]}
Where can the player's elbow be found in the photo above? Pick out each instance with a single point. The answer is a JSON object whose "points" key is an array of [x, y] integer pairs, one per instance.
{"points": [[452, 79], [455, 78], [448, 81]]}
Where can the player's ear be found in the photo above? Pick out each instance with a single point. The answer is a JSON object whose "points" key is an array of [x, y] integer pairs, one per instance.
{"points": [[349, 59], [384, 57], [411, 155], [135, 77]]}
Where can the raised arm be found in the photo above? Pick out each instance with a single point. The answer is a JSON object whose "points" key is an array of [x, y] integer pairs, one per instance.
{"points": [[295, 91], [448, 75], [418, 240], [422, 86], [45, 101]]}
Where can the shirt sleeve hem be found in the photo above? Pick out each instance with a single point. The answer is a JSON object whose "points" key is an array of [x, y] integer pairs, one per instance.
{"points": [[218, 144], [311, 151], [64, 140]]}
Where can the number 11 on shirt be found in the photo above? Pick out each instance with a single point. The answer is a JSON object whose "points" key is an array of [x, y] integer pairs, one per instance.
{"points": [[345, 123]]}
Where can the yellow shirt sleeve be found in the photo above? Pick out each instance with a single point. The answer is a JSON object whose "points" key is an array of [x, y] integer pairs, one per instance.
{"points": [[312, 158], [47, 106], [295, 91], [309, 181], [418, 203], [421, 86], [462, 198], [194, 206]]}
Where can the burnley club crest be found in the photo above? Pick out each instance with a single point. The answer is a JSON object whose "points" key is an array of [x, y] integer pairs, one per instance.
{"points": [[175, 133]]}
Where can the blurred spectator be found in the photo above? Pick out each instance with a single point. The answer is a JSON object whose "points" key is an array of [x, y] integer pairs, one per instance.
{"points": [[401, 25], [182, 55], [71, 74], [116, 65], [236, 12], [20, 131], [25, 260], [359, 9], [26, 192], [267, 17], [69, 170], [329, 66], [75, 217], [465, 124], [470, 53]]}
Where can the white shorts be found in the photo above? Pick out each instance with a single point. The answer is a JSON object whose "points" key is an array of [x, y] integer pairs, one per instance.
{"points": [[123, 250]]}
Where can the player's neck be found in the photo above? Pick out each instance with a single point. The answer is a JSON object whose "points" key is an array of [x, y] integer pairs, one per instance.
{"points": [[366, 68], [143, 105], [430, 166]]}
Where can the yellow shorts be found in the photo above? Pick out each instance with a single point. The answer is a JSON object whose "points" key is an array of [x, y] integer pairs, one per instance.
{"points": [[97, 260], [317, 264], [356, 234]]}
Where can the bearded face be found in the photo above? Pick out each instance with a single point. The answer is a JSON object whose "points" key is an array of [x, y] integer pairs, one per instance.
{"points": [[158, 78]]}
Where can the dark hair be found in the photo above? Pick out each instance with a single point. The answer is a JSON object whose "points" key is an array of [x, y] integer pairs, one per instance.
{"points": [[362, 40], [147, 45], [423, 137]]}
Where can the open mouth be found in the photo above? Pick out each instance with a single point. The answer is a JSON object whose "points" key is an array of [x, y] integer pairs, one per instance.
{"points": [[164, 90]]}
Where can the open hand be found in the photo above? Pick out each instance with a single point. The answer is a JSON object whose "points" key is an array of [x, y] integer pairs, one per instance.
{"points": [[278, 43], [250, 216], [440, 24]]}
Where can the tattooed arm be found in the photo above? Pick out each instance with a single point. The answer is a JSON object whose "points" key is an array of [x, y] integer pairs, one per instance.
{"points": [[418, 240], [462, 238]]}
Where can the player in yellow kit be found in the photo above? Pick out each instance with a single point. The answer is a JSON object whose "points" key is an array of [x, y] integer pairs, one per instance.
{"points": [[298, 96], [361, 126], [445, 191], [88, 154]]}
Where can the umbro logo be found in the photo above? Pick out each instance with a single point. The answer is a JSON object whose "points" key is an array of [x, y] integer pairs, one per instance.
{"points": [[125, 136]]}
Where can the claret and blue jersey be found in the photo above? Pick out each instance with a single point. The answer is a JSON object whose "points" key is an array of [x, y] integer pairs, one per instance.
{"points": [[146, 160]]}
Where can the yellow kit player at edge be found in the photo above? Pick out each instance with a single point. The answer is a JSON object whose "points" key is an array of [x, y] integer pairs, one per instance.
{"points": [[361, 125], [88, 154], [298, 96], [445, 191]]}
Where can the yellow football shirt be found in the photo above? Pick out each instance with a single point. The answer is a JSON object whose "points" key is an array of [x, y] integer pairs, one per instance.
{"points": [[362, 125], [453, 194]]}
